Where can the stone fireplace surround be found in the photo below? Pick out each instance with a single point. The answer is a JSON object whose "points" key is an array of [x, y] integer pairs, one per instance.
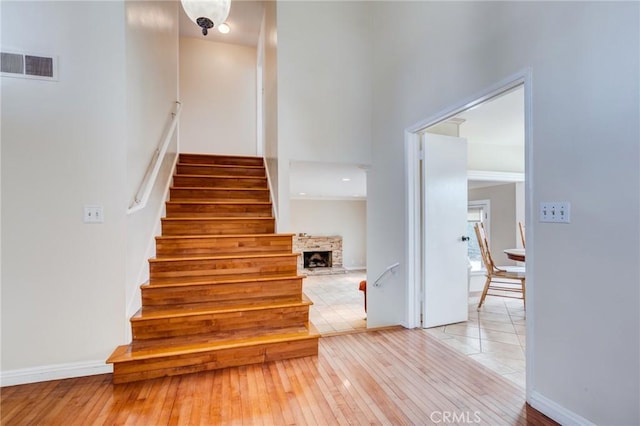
{"points": [[333, 243]]}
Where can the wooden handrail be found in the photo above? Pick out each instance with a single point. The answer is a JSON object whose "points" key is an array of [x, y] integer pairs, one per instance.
{"points": [[142, 196]]}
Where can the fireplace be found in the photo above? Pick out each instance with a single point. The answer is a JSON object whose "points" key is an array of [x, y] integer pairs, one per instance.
{"points": [[308, 245], [317, 259]]}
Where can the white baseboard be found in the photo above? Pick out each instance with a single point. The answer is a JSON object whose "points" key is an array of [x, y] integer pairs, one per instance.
{"points": [[355, 268], [555, 411], [53, 372]]}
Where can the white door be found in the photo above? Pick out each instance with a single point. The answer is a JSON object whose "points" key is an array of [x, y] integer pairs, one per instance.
{"points": [[444, 224]]}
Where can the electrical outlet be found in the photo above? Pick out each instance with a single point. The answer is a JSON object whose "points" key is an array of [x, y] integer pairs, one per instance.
{"points": [[93, 214], [555, 212]]}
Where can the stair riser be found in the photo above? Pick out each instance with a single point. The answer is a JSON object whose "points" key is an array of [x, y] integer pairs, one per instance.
{"points": [[224, 294], [217, 227], [248, 195], [212, 360], [219, 182], [218, 210], [210, 170], [221, 246], [219, 269], [262, 319], [220, 160]]}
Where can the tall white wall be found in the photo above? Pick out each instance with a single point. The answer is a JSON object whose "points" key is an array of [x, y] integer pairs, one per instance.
{"points": [[63, 144], [151, 38], [324, 87], [584, 337], [269, 42], [324, 55], [218, 91], [85, 139], [346, 218]]}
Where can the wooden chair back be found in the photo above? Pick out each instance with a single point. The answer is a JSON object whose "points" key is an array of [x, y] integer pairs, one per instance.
{"points": [[521, 226], [483, 242]]}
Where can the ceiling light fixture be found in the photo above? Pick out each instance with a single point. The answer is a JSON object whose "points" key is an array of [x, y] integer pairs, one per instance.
{"points": [[346, 179], [207, 13], [224, 28]]}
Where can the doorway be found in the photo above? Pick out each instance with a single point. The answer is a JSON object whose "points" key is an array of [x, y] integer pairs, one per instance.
{"points": [[512, 315], [328, 220]]}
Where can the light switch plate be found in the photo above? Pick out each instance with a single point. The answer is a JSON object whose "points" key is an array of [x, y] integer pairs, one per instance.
{"points": [[93, 214], [555, 212]]}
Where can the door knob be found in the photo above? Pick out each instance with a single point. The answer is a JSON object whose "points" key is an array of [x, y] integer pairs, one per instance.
{"points": [[465, 238]]}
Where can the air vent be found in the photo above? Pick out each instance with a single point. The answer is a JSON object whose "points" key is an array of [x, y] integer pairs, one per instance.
{"points": [[24, 65]]}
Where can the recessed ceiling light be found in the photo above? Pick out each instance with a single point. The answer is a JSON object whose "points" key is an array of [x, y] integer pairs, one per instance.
{"points": [[302, 193], [224, 28], [346, 179]]}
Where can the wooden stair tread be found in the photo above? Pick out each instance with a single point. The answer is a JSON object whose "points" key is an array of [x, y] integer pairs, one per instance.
{"points": [[227, 257], [196, 280], [224, 188], [219, 176], [230, 236], [224, 281], [125, 353], [221, 203], [224, 218], [244, 166], [186, 311]]}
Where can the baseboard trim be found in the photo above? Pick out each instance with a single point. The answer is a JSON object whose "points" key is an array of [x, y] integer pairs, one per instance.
{"points": [[556, 411], [53, 372], [355, 268]]}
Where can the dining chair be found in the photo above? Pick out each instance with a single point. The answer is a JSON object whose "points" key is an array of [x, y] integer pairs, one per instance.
{"points": [[505, 280], [521, 226]]}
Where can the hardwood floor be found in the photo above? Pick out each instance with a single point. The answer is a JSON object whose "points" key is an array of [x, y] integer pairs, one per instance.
{"points": [[393, 376]]}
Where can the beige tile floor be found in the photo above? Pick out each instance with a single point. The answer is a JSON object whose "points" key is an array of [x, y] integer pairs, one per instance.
{"points": [[494, 336], [338, 305]]}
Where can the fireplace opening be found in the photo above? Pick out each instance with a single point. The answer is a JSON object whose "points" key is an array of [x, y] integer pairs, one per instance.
{"points": [[317, 259]]}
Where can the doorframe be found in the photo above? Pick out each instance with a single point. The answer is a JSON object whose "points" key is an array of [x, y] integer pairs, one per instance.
{"points": [[412, 191]]}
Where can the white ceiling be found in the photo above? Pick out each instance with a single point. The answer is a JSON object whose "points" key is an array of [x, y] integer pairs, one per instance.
{"points": [[336, 181], [245, 18], [499, 121]]}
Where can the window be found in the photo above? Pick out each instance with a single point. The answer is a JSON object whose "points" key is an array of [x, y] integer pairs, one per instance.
{"points": [[477, 212]]}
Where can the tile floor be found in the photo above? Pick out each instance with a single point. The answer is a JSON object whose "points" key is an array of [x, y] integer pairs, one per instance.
{"points": [[494, 337], [338, 305]]}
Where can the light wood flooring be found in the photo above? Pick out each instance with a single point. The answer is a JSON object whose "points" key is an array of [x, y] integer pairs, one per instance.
{"points": [[394, 377]]}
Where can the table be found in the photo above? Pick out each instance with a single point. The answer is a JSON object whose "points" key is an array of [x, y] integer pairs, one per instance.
{"points": [[516, 254]]}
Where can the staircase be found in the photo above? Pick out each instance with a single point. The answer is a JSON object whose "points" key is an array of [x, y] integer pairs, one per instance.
{"points": [[223, 289]]}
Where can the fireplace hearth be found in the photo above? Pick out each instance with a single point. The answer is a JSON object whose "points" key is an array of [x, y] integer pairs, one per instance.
{"points": [[317, 259]]}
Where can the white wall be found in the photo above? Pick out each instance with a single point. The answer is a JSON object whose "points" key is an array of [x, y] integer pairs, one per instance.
{"points": [[85, 139], [151, 37], [502, 225], [346, 218], [218, 91], [325, 81], [63, 144], [268, 39], [324, 87], [495, 158], [583, 340]]}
